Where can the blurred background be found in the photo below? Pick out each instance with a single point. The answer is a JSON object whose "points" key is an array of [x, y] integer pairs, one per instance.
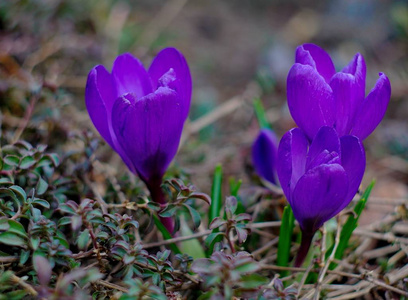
{"points": [[238, 50]]}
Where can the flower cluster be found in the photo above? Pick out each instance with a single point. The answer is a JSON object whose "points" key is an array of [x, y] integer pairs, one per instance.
{"points": [[320, 165]]}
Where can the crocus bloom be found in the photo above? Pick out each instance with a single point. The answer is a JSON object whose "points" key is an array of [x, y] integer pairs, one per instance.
{"points": [[264, 155], [319, 178], [140, 113], [318, 96]]}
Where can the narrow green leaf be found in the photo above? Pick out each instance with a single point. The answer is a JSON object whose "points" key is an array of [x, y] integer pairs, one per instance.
{"points": [[216, 201], [261, 114], [350, 225], [166, 234], [216, 194], [285, 237], [234, 186]]}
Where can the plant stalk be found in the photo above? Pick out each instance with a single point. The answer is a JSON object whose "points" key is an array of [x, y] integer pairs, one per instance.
{"points": [[157, 195], [307, 238]]}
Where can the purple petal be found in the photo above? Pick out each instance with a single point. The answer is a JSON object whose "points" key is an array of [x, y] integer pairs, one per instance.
{"points": [[291, 160], [171, 58], [353, 161], [348, 96], [373, 108], [99, 98], [327, 140], [318, 194], [357, 68], [149, 130], [310, 99], [307, 53], [100, 94], [264, 155], [130, 77]]}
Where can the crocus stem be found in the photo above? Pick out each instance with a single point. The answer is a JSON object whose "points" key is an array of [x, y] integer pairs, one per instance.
{"points": [[307, 238], [158, 196]]}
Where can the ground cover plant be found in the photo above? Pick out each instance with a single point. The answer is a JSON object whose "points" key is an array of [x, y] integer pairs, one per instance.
{"points": [[112, 188]]}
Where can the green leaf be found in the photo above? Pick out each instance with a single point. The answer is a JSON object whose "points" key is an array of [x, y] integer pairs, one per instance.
{"points": [[42, 186], [193, 247], [12, 239], [285, 237], [168, 211], [195, 216], [35, 242], [19, 192], [27, 162], [216, 200], [166, 234], [350, 225], [252, 281], [216, 194], [261, 114], [17, 228], [54, 158], [247, 267], [24, 256], [12, 160], [234, 186], [83, 239], [64, 221], [41, 202], [7, 192], [212, 238]]}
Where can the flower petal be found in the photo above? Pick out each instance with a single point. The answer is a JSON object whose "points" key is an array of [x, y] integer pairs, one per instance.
{"points": [[99, 98], [171, 58], [130, 76], [348, 96], [310, 99], [291, 160], [149, 130], [264, 155], [353, 161], [322, 62], [357, 68], [318, 194], [373, 108], [327, 140]]}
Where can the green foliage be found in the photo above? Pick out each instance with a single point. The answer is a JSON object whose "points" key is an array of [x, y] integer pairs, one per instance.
{"points": [[231, 223], [350, 225], [226, 276], [261, 114], [285, 238]]}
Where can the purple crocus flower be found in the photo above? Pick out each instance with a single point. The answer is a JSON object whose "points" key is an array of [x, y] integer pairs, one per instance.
{"points": [[318, 96], [140, 113], [319, 178], [264, 155]]}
